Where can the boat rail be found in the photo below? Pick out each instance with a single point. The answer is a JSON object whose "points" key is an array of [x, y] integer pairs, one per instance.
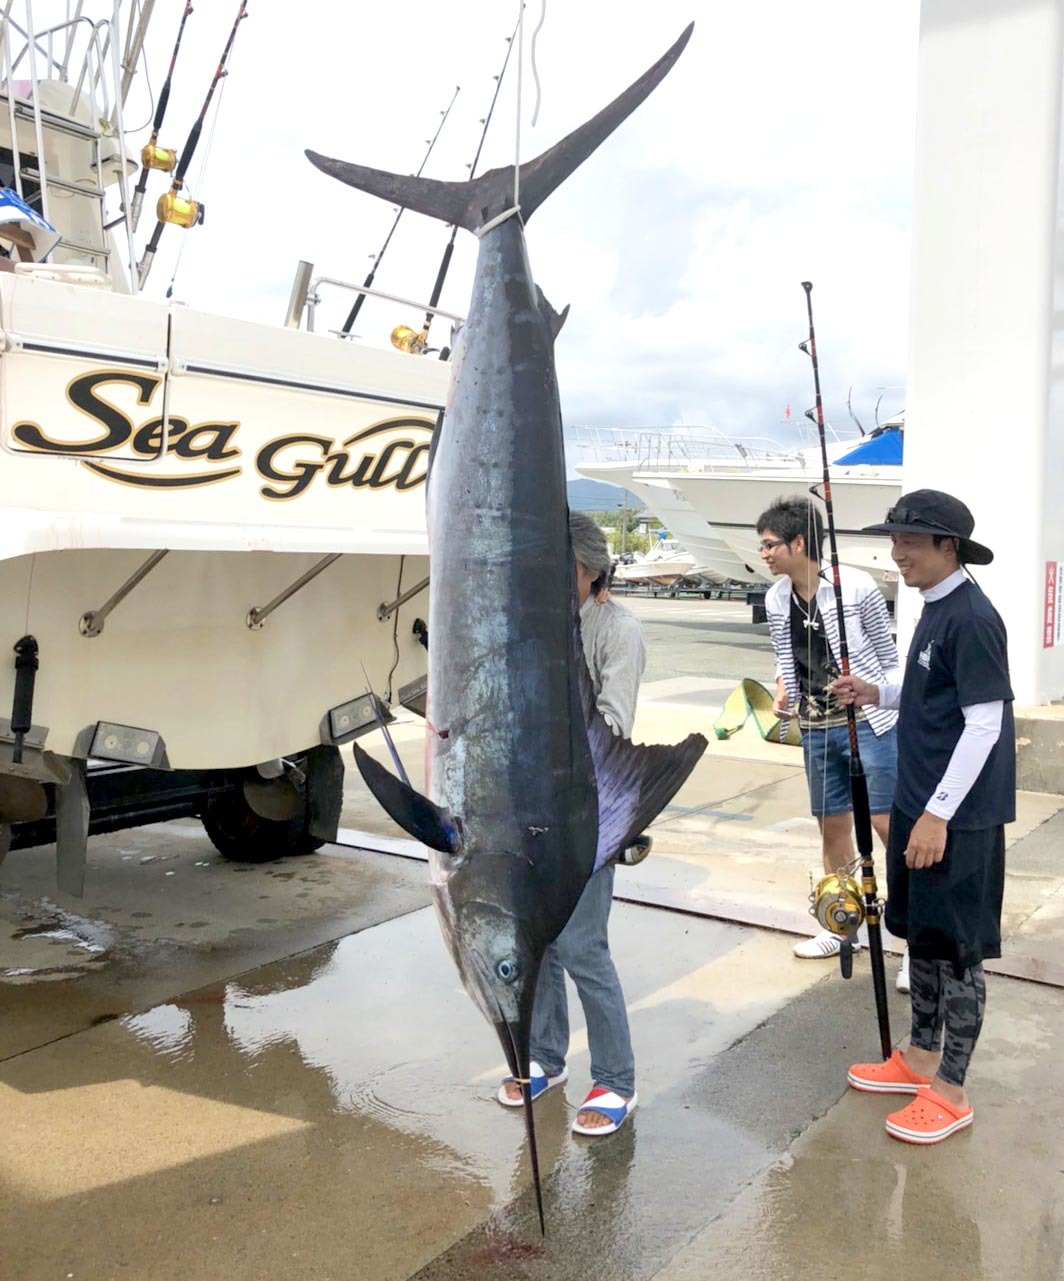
{"points": [[84, 55], [665, 449], [306, 298]]}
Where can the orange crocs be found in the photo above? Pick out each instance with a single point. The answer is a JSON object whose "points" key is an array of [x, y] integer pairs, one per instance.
{"points": [[929, 1118], [891, 1077]]}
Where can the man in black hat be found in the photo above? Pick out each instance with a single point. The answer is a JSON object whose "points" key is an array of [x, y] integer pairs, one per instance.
{"points": [[956, 790]]}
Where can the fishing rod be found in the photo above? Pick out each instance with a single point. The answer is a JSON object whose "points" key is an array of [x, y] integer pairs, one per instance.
{"points": [[153, 156], [849, 410], [367, 283], [418, 342], [173, 207], [835, 899]]}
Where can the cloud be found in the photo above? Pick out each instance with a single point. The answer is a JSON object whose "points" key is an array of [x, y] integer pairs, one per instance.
{"points": [[779, 149]]}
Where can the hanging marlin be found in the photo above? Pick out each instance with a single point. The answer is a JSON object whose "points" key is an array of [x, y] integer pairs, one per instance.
{"points": [[530, 791]]}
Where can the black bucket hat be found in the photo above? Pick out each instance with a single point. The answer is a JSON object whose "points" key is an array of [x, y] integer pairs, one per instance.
{"points": [[930, 511]]}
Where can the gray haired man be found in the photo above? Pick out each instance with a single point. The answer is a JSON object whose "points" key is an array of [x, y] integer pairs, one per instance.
{"points": [[616, 656]]}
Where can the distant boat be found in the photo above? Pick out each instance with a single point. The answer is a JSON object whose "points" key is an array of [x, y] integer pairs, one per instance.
{"points": [[865, 484], [663, 566], [709, 490]]}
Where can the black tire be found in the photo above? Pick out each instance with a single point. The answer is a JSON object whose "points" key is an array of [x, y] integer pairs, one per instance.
{"points": [[242, 836]]}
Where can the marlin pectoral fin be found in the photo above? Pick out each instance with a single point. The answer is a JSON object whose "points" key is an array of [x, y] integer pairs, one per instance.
{"points": [[635, 781], [416, 814]]}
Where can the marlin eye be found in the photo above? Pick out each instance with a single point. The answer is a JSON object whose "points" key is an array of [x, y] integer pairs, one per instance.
{"points": [[507, 970]]}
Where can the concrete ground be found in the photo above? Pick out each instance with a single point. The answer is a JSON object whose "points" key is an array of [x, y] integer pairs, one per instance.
{"points": [[210, 1070]]}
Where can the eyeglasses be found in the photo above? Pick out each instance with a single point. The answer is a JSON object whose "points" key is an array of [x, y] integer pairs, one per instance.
{"points": [[769, 544]]}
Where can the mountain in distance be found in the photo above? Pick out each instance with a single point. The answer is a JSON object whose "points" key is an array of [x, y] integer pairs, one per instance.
{"points": [[598, 496]]}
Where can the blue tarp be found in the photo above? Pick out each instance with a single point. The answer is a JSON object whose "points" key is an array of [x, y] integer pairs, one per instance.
{"points": [[13, 209], [886, 447]]}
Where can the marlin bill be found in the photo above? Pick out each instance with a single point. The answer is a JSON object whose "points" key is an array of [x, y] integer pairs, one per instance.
{"points": [[529, 790]]}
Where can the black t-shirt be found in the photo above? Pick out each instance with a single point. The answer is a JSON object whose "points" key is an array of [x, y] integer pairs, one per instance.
{"points": [[813, 663], [958, 657]]}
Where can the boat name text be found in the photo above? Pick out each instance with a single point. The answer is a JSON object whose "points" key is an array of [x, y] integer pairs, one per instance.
{"points": [[392, 453]]}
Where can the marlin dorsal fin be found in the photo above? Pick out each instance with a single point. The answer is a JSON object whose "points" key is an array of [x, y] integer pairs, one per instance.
{"points": [[554, 319]]}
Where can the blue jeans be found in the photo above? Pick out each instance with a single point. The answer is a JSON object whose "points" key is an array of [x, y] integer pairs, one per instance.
{"points": [[583, 949], [827, 768]]}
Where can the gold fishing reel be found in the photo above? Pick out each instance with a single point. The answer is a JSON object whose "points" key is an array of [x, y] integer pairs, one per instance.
{"points": [[177, 209], [836, 903], [409, 340], [152, 156]]}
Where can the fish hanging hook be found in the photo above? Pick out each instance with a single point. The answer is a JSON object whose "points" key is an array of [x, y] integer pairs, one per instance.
{"points": [[517, 113], [532, 61]]}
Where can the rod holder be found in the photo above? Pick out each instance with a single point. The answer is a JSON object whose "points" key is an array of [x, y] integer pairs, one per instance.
{"points": [[26, 665], [91, 623], [298, 298], [387, 608], [258, 614]]}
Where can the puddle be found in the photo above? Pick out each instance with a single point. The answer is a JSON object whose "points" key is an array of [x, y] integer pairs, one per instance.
{"points": [[56, 946], [167, 1029]]}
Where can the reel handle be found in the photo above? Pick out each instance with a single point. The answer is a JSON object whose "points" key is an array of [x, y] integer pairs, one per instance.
{"points": [[847, 944]]}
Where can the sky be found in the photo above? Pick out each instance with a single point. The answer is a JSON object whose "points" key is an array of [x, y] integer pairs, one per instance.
{"points": [[778, 149]]}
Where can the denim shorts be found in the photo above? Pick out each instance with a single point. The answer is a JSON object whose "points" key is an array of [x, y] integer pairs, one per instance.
{"points": [[827, 767]]}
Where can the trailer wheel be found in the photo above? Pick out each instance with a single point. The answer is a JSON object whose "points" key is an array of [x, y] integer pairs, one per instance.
{"points": [[241, 835]]}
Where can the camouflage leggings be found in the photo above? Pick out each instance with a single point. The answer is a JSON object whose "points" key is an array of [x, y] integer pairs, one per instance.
{"points": [[941, 1000]]}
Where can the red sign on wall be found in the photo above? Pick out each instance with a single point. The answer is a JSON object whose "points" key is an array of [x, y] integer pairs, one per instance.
{"points": [[1051, 617]]}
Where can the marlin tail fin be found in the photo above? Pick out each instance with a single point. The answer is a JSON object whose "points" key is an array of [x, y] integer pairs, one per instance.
{"points": [[472, 204]]}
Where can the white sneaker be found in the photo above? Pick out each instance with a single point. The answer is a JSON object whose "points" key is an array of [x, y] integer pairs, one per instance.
{"points": [[902, 981], [820, 946]]}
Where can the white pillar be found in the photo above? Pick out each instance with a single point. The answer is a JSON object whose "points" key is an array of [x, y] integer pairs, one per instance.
{"points": [[985, 411]]}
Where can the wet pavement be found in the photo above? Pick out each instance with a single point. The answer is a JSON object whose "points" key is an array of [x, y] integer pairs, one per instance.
{"points": [[210, 1070]]}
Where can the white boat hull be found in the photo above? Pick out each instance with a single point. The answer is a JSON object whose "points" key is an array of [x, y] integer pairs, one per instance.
{"points": [[735, 501], [280, 447], [711, 553]]}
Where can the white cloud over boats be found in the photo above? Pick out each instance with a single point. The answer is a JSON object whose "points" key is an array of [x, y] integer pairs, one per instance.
{"points": [[780, 148]]}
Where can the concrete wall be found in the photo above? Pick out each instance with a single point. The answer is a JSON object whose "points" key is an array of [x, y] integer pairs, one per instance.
{"points": [[985, 412]]}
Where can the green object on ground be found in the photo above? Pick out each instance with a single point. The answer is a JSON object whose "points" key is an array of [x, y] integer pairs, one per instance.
{"points": [[751, 698]]}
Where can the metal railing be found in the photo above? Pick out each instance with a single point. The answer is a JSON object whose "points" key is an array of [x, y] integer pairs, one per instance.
{"points": [[306, 296], [91, 51], [697, 449]]}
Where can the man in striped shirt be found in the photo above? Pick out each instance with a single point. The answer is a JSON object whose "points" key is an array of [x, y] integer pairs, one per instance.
{"points": [[803, 623]]}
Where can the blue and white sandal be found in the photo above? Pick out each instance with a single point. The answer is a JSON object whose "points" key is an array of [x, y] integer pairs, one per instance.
{"points": [[540, 1084], [609, 1105]]}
